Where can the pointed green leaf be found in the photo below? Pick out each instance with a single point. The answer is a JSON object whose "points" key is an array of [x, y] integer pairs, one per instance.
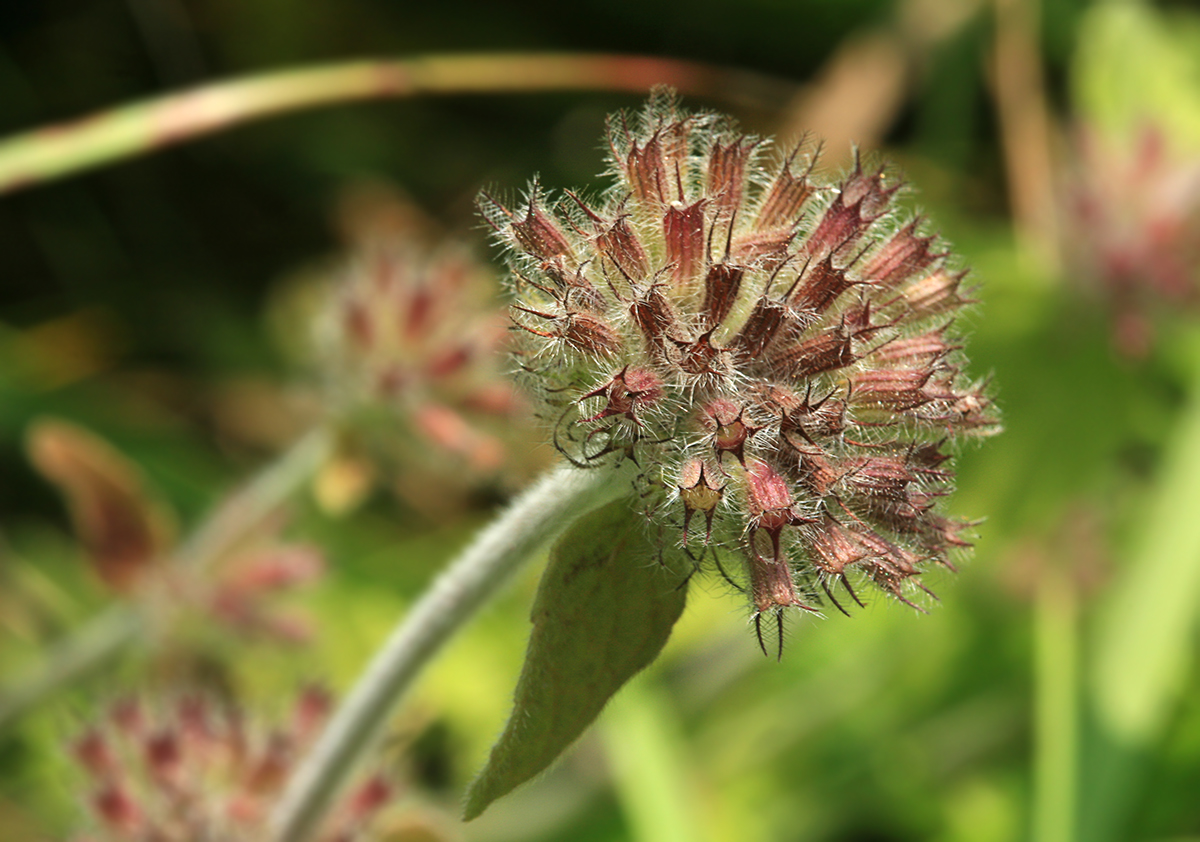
{"points": [[604, 609]]}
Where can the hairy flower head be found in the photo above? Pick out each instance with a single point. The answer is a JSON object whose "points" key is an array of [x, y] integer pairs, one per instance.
{"points": [[776, 353]]}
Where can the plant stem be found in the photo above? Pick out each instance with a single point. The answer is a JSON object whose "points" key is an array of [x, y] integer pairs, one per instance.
{"points": [[55, 151], [1025, 130], [257, 499], [71, 659], [477, 574], [102, 638], [1056, 713]]}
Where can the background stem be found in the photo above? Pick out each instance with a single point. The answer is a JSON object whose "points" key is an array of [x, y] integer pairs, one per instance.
{"points": [[477, 574], [60, 150]]}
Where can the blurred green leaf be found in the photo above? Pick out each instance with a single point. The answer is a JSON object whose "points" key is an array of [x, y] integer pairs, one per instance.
{"points": [[1145, 638], [1136, 66], [604, 609], [1145, 634], [649, 766]]}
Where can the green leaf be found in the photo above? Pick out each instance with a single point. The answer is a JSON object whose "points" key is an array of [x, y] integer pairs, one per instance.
{"points": [[1144, 639], [1136, 65], [604, 609]]}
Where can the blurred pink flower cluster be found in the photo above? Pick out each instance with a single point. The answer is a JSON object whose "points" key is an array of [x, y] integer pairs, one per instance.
{"points": [[199, 770], [1132, 226]]}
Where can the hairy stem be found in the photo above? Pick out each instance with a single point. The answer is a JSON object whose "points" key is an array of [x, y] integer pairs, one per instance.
{"points": [[56, 151], [536, 517], [104, 637], [247, 507]]}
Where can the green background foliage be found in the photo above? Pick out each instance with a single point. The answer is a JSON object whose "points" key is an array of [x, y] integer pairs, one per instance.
{"points": [[147, 302]]}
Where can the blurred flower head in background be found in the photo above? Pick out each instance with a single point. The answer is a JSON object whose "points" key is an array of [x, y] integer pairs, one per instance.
{"points": [[777, 354], [410, 342], [1132, 214], [127, 535], [196, 769]]}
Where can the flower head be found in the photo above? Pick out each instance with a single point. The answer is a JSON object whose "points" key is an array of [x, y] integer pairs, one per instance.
{"points": [[410, 345], [777, 354], [409, 331], [126, 534], [1132, 213], [198, 770]]}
